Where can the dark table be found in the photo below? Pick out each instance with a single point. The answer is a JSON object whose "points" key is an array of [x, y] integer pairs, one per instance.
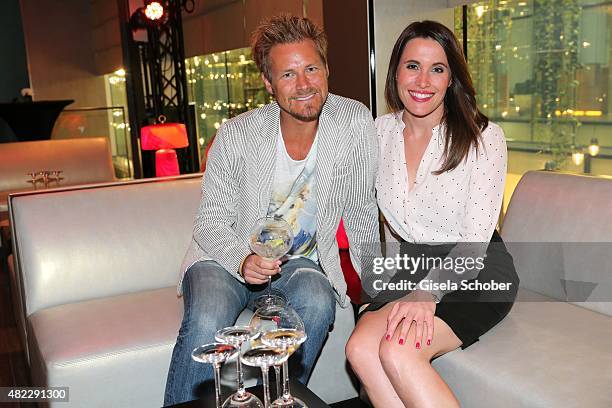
{"points": [[297, 389]]}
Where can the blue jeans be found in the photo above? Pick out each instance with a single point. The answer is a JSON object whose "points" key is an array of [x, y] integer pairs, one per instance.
{"points": [[214, 299]]}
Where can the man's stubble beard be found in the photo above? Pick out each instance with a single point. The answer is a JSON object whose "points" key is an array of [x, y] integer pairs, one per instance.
{"points": [[312, 113]]}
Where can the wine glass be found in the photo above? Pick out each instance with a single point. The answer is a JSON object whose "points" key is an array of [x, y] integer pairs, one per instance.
{"points": [[264, 357], [274, 300], [271, 238], [56, 175], [215, 354], [33, 178], [281, 327], [236, 335]]}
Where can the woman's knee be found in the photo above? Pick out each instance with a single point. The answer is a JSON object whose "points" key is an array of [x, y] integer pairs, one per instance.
{"points": [[360, 350], [392, 354]]}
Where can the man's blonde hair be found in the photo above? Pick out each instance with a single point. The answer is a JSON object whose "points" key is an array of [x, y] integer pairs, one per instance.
{"points": [[284, 29]]}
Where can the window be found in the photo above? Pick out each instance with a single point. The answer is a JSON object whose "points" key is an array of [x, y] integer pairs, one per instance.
{"points": [[541, 69], [223, 85]]}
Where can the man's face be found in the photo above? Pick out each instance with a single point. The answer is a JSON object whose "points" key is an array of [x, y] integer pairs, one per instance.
{"points": [[298, 80]]}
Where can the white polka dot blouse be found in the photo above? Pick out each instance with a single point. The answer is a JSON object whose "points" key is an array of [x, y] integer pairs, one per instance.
{"points": [[461, 205]]}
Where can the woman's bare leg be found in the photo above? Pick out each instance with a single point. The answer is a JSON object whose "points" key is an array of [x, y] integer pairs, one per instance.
{"points": [[395, 375], [362, 352], [409, 369]]}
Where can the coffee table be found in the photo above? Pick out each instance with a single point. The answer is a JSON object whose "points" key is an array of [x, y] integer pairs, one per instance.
{"points": [[297, 388]]}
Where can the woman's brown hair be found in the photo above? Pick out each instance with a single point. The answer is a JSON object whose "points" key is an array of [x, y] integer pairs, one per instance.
{"points": [[463, 120]]}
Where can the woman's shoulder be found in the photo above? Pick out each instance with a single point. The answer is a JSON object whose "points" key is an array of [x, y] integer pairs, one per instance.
{"points": [[493, 141], [493, 135], [493, 131], [386, 122]]}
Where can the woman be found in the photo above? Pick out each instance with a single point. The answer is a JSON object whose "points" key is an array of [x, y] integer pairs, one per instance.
{"points": [[441, 179]]}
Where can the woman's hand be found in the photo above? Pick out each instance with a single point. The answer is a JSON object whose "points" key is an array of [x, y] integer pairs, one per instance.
{"points": [[419, 307]]}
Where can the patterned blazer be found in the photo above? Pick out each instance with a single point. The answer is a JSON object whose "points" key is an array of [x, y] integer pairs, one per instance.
{"points": [[236, 187]]}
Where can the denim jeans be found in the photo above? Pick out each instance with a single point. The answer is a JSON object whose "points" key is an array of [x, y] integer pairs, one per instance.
{"points": [[213, 299]]}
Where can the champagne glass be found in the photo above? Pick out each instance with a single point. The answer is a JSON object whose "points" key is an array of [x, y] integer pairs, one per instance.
{"points": [[264, 357], [271, 238], [235, 336], [215, 354], [281, 327]]}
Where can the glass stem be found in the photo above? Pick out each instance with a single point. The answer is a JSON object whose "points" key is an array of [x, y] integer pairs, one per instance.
{"points": [[217, 370], [277, 372], [266, 386], [239, 377], [269, 286], [286, 393]]}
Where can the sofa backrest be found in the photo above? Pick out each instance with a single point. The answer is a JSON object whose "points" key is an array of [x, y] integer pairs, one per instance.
{"points": [[558, 228], [101, 240], [82, 161]]}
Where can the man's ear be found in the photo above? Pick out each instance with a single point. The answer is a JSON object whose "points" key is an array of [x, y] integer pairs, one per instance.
{"points": [[267, 84]]}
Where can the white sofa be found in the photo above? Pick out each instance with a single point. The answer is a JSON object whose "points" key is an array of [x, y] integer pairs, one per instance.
{"points": [[98, 268], [82, 161], [548, 352]]}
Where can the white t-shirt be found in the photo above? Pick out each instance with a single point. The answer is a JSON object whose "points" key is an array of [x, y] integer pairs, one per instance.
{"points": [[294, 198]]}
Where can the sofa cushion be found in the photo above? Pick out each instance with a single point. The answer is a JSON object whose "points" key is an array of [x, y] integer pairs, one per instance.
{"points": [[98, 347], [129, 236], [82, 160], [105, 343], [545, 353], [558, 231]]}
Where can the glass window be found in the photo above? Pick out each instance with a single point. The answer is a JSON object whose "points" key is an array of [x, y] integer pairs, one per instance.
{"points": [[223, 85], [110, 121], [541, 70]]}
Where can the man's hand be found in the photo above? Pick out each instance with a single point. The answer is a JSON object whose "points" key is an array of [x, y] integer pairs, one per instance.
{"points": [[257, 270]]}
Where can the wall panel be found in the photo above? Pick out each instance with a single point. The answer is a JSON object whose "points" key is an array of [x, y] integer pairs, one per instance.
{"points": [[60, 51]]}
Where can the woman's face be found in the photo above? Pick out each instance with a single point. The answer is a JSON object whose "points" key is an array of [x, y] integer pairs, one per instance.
{"points": [[423, 76]]}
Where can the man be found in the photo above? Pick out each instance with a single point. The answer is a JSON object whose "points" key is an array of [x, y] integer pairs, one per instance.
{"points": [[309, 157]]}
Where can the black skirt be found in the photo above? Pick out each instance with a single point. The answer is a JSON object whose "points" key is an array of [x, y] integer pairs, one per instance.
{"points": [[468, 312]]}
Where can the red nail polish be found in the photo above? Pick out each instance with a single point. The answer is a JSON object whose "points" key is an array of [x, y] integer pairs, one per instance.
{"points": [[418, 345], [401, 342], [429, 342], [388, 337]]}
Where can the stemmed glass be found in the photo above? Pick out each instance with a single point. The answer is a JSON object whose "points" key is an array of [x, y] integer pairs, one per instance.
{"points": [[215, 354], [264, 357], [235, 336], [272, 300], [56, 174], [45, 177], [281, 327], [271, 238], [34, 178]]}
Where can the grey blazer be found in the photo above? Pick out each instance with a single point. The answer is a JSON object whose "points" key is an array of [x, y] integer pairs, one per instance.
{"points": [[236, 187]]}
